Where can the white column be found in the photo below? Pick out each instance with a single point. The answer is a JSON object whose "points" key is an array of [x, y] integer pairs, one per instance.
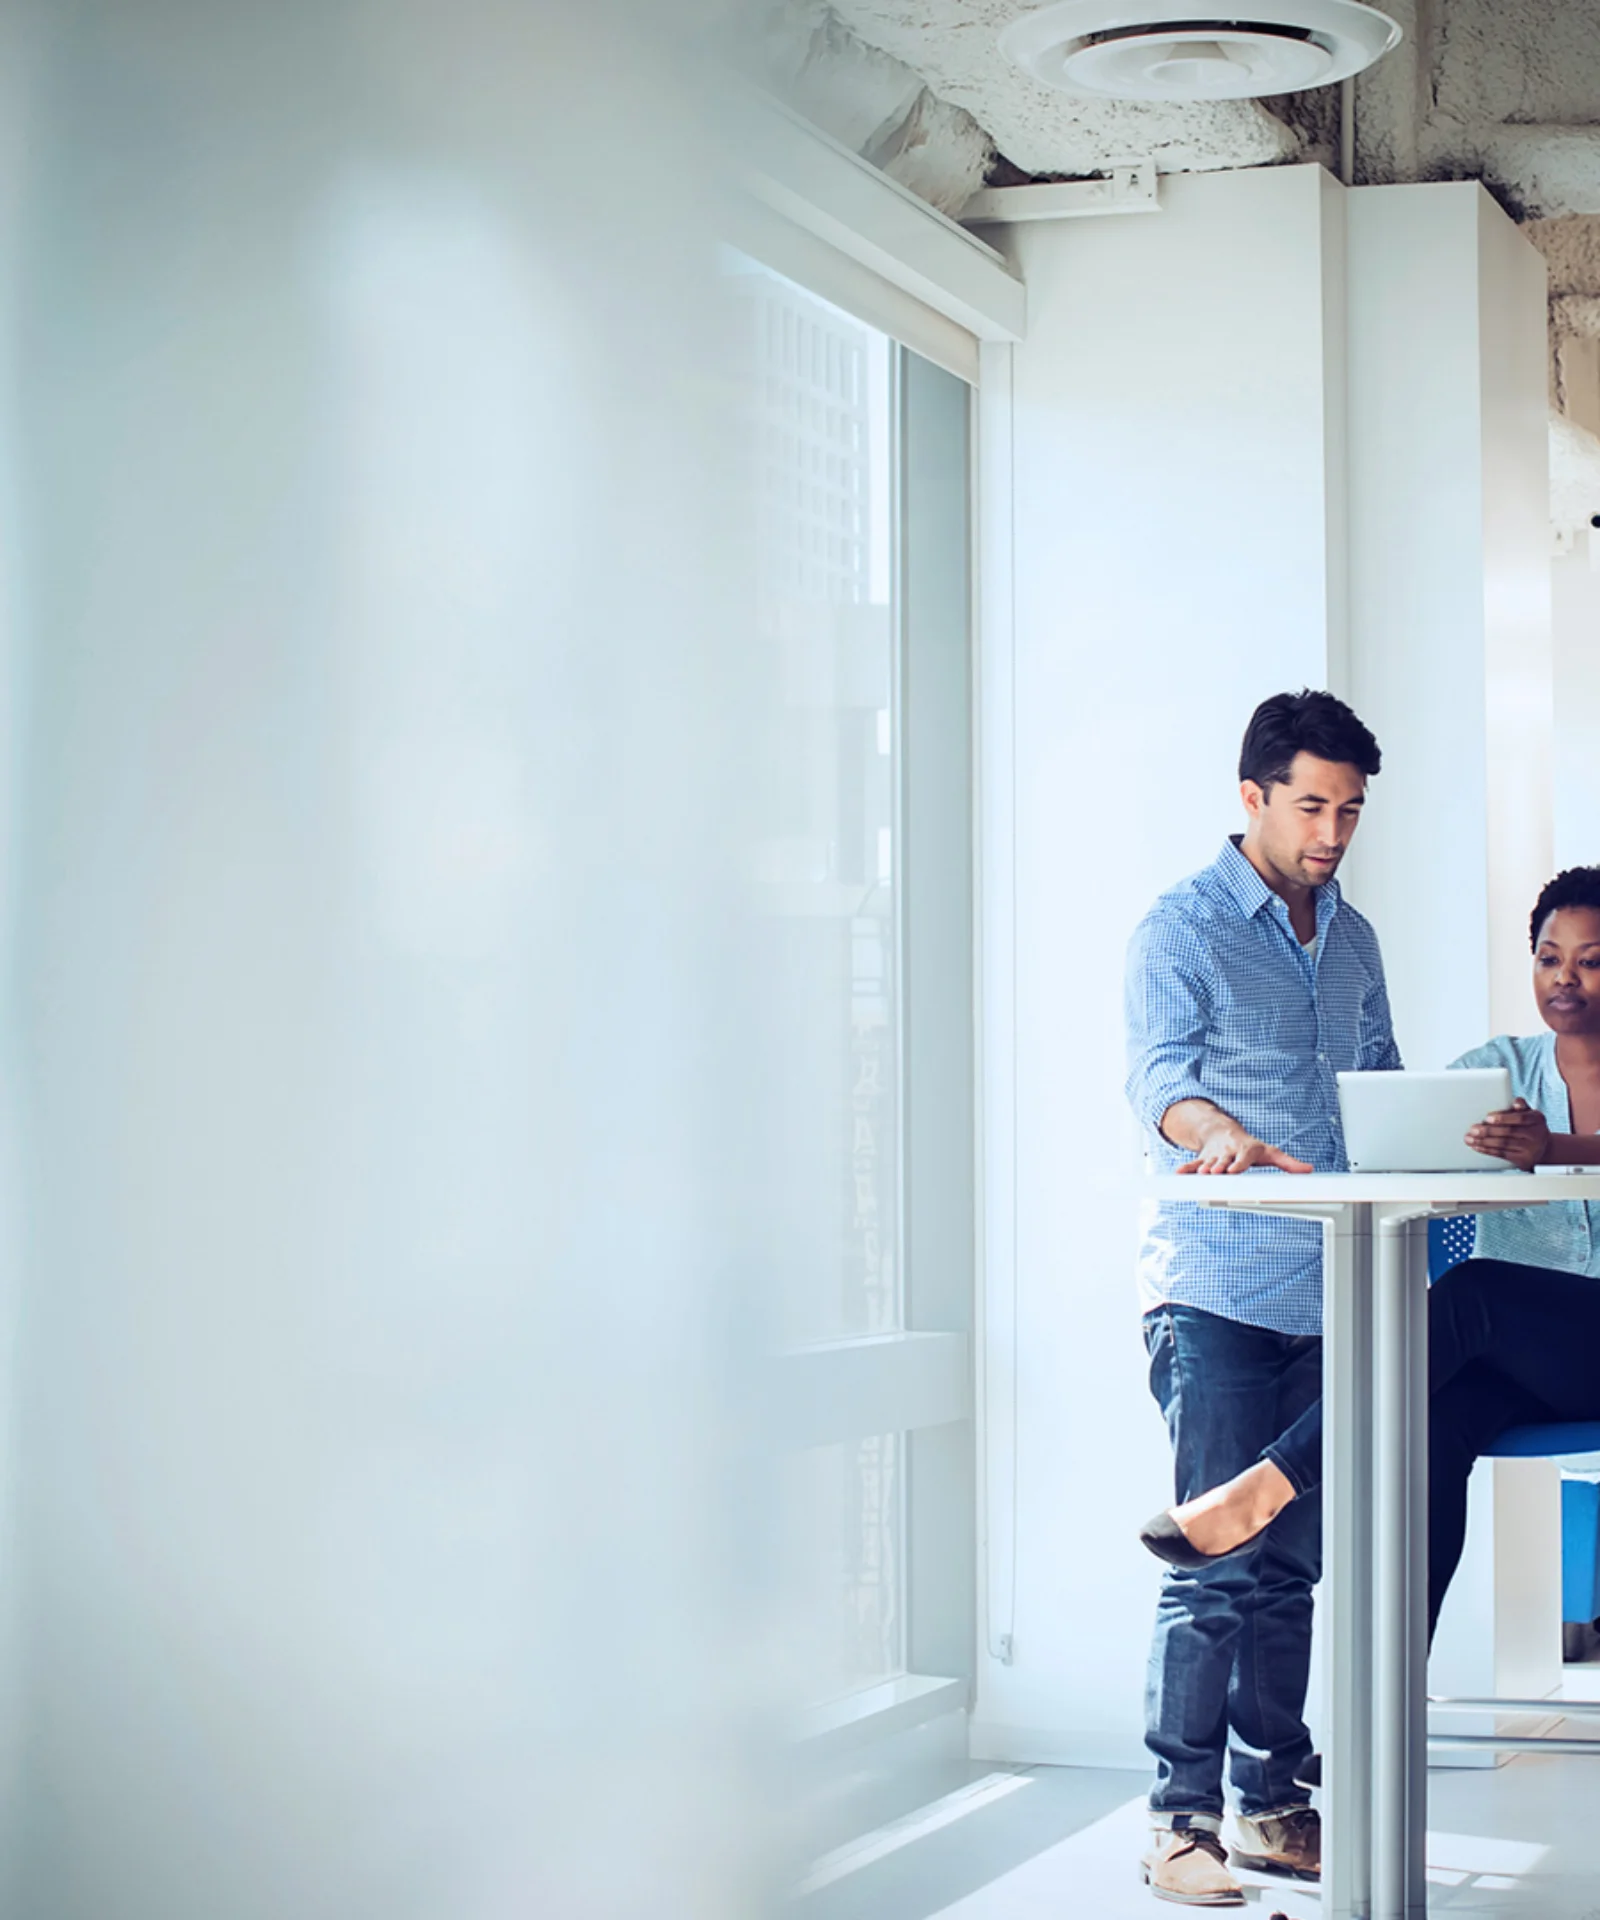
{"points": [[1451, 666], [1575, 609], [1450, 602], [391, 1032]]}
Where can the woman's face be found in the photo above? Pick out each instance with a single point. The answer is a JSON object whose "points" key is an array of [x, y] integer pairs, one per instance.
{"points": [[1566, 970]]}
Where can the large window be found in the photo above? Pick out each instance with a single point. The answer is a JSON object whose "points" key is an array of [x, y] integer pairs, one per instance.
{"points": [[857, 457], [820, 388]]}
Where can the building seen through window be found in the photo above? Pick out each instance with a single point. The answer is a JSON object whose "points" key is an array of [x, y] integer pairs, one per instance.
{"points": [[818, 387]]}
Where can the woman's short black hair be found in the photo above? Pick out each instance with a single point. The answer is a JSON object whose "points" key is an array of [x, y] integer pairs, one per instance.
{"points": [[1304, 722], [1572, 887]]}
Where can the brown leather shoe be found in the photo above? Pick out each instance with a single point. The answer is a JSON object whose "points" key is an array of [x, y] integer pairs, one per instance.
{"points": [[1288, 1843], [1191, 1868]]}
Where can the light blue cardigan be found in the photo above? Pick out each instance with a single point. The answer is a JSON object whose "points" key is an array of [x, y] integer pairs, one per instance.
{"points": [[1564, 1234]]}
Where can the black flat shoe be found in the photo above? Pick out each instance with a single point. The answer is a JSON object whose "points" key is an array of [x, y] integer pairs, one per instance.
{"points": [[1168, 1541], [1310, 1775]]}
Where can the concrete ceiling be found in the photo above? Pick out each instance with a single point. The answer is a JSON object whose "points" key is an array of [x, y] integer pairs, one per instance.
{"points": [[1507, 91], [952, 45]]}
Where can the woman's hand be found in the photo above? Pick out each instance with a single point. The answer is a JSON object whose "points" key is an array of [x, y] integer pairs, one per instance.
{"points": [[1520, 1134]]}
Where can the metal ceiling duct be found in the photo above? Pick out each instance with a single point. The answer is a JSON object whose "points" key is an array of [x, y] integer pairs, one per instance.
{"points": [[1100, 49]]}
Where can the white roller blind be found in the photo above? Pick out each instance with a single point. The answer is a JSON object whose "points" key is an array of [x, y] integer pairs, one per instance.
{"points": [[802, 257]]}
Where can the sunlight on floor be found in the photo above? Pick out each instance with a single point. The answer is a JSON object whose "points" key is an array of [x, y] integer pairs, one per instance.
{"points": [[1096, 1871], [1460, 1859], [901, 1833]]}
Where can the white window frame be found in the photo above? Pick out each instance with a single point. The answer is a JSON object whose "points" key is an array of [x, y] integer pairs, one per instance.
{"points": [[816, 214], [820, 215]]}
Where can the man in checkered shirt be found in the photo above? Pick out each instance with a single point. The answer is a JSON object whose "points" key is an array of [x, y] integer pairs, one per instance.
{"points": [[1250, 985]]}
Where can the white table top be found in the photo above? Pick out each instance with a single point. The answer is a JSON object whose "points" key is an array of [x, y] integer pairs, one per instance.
{"points": [[1318, 1189]]}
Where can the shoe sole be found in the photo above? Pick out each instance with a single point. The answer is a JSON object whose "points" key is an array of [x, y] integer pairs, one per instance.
{"points": [[1278, 1869], [1192, 1899]]}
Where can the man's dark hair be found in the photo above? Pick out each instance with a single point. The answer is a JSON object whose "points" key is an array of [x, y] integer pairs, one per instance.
{"points": [[1572, 887], [1304, 722]]}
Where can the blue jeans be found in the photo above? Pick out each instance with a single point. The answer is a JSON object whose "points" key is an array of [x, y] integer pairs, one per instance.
{"points": [[1232, 1649]]}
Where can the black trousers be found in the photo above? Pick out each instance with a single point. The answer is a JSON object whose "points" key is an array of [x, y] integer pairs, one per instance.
{"points": [[1507, 1345]]}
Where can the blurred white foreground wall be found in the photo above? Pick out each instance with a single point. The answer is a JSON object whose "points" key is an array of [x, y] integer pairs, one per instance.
{"points": [[384, 1011]]}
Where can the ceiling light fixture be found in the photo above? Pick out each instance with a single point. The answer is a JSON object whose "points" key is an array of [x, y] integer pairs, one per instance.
{"points": [[1124, 50]]}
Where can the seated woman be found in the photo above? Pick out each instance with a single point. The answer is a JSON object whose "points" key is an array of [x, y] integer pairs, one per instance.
{"points": [[1514, 1332]]}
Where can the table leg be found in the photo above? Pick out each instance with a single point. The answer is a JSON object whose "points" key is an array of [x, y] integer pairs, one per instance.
{"points": [[1347, 1546], [1416, 1277], [1399, 1741]]}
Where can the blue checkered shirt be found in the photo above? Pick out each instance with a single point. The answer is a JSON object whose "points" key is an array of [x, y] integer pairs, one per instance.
{"points": [[1224, 1004]]}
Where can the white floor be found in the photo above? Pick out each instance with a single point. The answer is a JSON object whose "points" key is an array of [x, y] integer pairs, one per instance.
{"points": [[1497, 1870], [1516, 1842]]}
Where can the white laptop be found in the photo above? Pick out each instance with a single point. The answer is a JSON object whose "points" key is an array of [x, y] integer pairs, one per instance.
{"points": [[1417, 1122]]}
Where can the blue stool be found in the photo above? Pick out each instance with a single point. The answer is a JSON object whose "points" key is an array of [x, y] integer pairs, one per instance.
{"points": [[1450, 1241]]}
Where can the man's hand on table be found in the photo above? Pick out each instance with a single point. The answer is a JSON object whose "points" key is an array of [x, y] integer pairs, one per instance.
{"points": [[1520, 1134], [1219, 1144]]}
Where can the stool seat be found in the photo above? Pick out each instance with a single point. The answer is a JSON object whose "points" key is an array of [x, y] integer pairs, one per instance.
{"points": [[1451, 1241], [1539, 1442]]}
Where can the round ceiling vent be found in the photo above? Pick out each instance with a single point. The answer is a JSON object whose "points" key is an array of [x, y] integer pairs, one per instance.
{"points": [[1124, 50]]}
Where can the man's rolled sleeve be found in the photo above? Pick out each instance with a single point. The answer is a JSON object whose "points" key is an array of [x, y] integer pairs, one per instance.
{"points": [[1378, 1051], [1168, 1004]]}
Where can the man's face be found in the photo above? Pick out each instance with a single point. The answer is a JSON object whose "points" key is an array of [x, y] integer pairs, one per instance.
{"points": [[1302, 826]]}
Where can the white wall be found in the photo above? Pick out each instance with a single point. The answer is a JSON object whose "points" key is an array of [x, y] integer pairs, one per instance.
{"points": [[1171, 426], [1575, 598], [1194, 500]]}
